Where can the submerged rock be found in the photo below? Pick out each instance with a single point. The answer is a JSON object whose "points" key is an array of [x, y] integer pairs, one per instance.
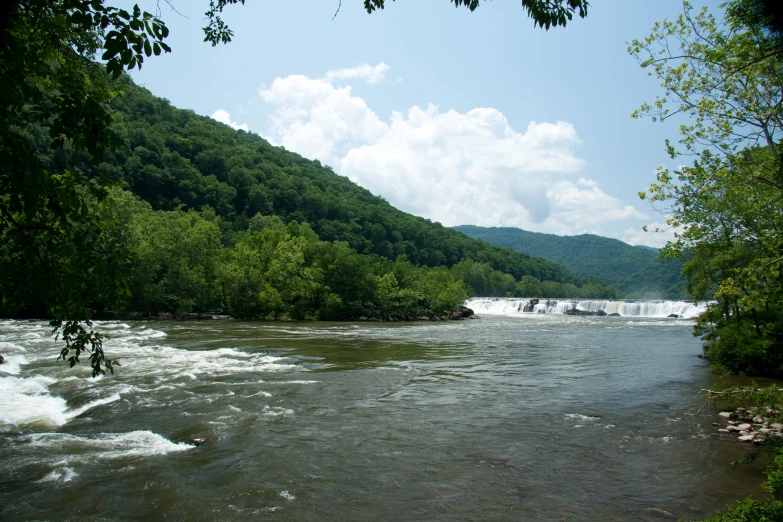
{"points": [[674, 316], [614, 314], [575, 311], [474, 316]]}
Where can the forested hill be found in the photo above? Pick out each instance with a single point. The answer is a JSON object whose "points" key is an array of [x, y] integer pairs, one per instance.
{"points": [[175, 158], [634, 270], [200, 217]]}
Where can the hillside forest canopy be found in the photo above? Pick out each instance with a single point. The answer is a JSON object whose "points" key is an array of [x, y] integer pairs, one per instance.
{"points": [[217, 219], [635, 271]]}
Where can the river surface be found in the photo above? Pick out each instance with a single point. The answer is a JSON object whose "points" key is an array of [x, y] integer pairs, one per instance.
{"points": [[541, 417]]}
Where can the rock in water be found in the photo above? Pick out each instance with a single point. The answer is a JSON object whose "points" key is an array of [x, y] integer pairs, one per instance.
{"points": [[575, 311], [725, 414]]}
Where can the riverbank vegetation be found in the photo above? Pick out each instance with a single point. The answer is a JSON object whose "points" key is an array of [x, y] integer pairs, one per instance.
{"points": [[724, 79]]}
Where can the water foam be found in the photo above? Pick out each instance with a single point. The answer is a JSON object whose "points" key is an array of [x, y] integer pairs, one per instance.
{"points": [[13, 364], [62, 475], [108, 445], [75, 412], [28, 401], [628, 308], [276, 411], [581, 417]]}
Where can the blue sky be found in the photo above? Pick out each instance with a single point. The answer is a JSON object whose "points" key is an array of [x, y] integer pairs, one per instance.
{"points": [[463, 118]]}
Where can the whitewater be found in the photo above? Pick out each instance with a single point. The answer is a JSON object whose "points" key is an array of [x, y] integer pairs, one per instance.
{"points": [[626, 308]]}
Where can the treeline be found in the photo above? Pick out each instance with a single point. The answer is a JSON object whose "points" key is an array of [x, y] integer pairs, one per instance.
{"points": [[183, 261], [635, 271]]}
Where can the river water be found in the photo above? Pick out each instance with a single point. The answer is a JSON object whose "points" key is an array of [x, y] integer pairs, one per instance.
{"points": [[534, 417]]}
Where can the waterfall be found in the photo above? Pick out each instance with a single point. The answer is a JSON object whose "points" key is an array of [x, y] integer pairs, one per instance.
{"points": [[629, 308]]}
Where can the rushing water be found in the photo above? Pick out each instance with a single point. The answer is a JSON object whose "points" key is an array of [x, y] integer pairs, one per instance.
{"points": [[537, 416], [626, 308]]}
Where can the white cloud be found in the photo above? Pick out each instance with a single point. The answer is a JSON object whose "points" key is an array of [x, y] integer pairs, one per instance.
{"points": [[452, 167], [224, 117], [657, 235], [369, 73], [585, 210]]}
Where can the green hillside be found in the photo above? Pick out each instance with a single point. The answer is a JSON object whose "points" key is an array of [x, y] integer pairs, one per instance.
{"points": [[203, 217], [634, 270], [174, 158]]}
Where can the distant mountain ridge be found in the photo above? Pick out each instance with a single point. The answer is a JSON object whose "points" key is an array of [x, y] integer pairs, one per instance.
{"points": [[634, 270]]}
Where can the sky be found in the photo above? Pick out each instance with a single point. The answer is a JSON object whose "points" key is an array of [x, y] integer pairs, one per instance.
{"points": [[463, 118]]}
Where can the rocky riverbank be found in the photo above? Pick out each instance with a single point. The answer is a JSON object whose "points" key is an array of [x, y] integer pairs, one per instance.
{"points": [[460, 313], [750, 425]]}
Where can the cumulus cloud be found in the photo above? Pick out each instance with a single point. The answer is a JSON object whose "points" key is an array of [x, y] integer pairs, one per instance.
{"points": [[448, 166], [371, 74], [653, 238], [224, 117], [586, 209]]}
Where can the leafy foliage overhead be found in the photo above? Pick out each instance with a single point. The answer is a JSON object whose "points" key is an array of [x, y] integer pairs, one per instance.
{"points": [[545, 13]]}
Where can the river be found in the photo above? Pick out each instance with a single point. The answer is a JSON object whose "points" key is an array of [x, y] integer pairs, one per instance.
{"points": [[530, 417]]}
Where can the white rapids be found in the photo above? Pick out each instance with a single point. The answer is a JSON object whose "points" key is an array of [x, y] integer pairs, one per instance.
{"points": [[626, 308]]}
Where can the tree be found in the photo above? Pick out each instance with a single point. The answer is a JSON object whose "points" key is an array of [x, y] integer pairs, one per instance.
{"points": [[725, 207], [545, 13]]}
